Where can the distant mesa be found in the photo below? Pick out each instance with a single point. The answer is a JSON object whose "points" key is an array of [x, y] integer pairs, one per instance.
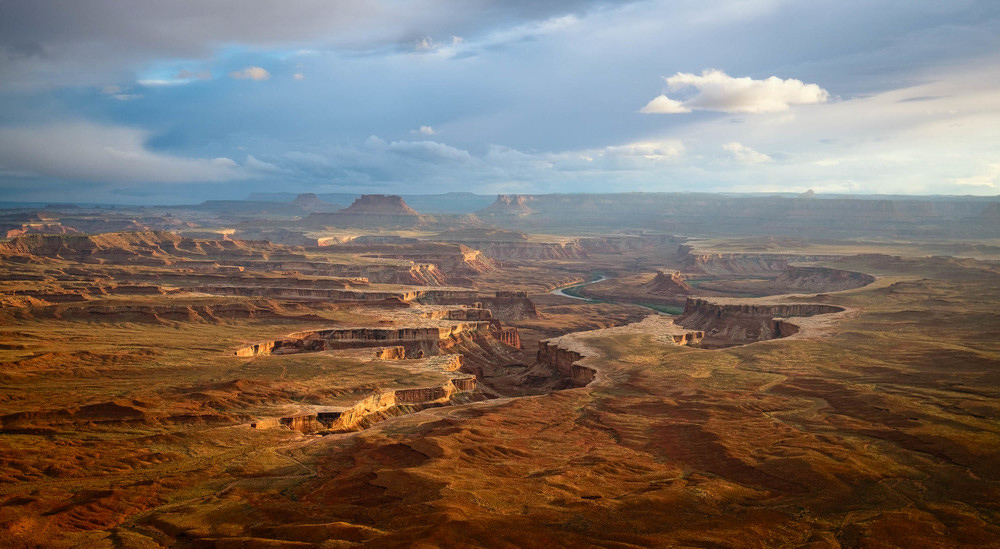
{"points": [[510, 204], [380, 204], [311, 203], [370, 211], [808, 194]]}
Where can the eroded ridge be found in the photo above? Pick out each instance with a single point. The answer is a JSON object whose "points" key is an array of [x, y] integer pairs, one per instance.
{"points": [[705, 324], [566, 358], [728, 322], [459, 388], [431, 341], [421, 334]]}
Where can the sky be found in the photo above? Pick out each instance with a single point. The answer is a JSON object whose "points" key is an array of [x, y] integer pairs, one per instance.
{"points": [[145, 101]]}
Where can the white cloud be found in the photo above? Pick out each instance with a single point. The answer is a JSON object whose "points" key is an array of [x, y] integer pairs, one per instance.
{"points": [[84, 151], [989, 179], [650, 150], [717, 91], [251, 73], [662, 104], [745, 154], [299, 76], [426, 130]]}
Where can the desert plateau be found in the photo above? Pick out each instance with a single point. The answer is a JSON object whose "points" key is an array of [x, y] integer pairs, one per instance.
{"points": [[379, 377], [441, 274]]}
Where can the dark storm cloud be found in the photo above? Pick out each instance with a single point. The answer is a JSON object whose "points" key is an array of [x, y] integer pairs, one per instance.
{"points": [[45, 42]]}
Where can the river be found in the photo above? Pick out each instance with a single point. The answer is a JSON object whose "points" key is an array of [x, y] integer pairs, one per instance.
{"points": [[560, 291], [660, 309]]}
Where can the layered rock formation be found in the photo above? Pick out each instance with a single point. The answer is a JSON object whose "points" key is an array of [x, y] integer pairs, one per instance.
{"points": [[387, 404], [737, 322], [740, 263], [379, 204], [436, 336], [668, 283], [505, 306], [509, 204], [381, 405], [562, 362], [820, 279], [369, 211], [517, 250], [565, 362], [455, 262], [138, 248], [418, 341]]}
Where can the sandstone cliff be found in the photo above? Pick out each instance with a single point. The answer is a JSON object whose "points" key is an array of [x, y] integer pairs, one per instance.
{"points": [[727, 322], [141, 248]]}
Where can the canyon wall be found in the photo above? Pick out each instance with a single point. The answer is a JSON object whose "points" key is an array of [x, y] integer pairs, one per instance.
{"points": [[737, 263], [726, 324], [504, 306], [416, 341], [564, 362], [379, 406], [821, 279]]}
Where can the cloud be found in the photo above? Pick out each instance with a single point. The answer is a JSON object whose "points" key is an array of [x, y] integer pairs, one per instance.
{"points": [[261, 166], [426, 130], [299, 76], [424, 44], [83, 151], [398, 164], [988, 179], [116, 92], [157, 82], [650, 150], [717, 91], [251, 73], [745, 154], [429, 151], [662, 104], [44, 42]]}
